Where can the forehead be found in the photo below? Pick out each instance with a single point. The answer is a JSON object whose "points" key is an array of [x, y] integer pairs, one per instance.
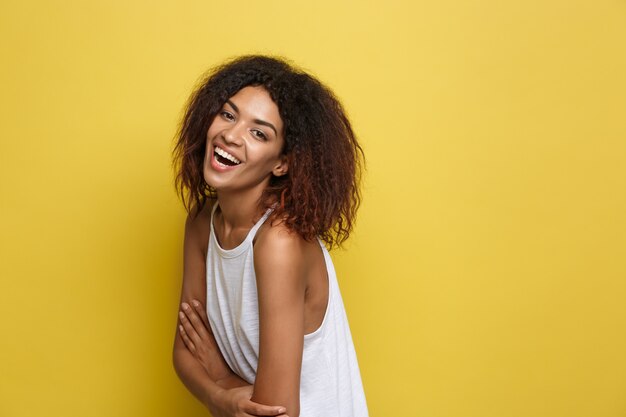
{"points": [[255, 102]]}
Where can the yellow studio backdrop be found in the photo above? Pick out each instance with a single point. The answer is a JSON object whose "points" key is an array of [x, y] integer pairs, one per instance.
{"points": [[487, 273]]}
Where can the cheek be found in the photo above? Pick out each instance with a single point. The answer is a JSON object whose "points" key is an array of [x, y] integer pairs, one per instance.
{"points": [[215, 126], [210, 134], [211, 131]]}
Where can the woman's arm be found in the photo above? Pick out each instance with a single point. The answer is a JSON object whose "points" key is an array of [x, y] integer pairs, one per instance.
{"points": [[280, 266], [209, 381], [234, 397]]}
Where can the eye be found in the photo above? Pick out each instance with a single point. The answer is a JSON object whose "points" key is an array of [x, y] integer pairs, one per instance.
{"points": [[227, 115], [259, 134]]}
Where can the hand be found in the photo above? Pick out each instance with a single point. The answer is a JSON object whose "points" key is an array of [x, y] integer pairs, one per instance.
{"points": [[195, 332], [235, 402]]}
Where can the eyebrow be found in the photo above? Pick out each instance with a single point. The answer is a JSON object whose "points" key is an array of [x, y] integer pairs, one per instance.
{"points": [[257, 121]]}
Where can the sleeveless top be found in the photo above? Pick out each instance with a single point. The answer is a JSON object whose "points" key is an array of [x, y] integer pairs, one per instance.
{"points": [[330, 381]]}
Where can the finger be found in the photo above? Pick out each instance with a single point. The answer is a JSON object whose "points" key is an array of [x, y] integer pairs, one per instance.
{"points": [[189, 329], [201, 311], [257, 409], [195, 320], [186, 340]]}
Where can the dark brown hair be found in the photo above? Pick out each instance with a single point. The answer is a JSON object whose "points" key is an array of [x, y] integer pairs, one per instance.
{"points": [[319, 195]]}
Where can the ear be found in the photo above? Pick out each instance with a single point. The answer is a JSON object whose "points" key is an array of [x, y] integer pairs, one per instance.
{"points": [[281, 167]]}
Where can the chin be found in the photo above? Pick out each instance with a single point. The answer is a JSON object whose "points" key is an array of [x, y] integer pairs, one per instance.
{"points": [[206, 174], [210, 183]]}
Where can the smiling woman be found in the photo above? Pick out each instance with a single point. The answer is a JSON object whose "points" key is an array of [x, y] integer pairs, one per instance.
{"points": [[244, 144], [268, 168]]}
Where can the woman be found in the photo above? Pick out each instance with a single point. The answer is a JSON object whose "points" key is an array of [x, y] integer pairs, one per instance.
{"points": [[268, 169]]}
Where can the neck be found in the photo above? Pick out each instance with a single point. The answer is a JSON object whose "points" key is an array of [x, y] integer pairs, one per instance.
{"points": [[238, 210]]}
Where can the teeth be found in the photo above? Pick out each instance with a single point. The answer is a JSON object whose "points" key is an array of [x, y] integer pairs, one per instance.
{"points": [[221, 152]]}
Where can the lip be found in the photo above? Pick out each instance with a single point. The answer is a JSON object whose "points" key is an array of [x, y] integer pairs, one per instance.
{"points": [[219, 167], [224, 148]]}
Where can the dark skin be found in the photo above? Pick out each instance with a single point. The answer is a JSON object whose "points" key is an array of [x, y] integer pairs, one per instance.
{"points": [[202, 367], [292, 288]]}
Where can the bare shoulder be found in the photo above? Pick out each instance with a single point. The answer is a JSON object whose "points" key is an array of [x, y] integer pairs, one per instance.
{"points": [[277, 238], [198, 225], [278, 246]]}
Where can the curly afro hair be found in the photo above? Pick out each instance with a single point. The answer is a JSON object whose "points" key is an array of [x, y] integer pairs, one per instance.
{"points": [[320, 194]]}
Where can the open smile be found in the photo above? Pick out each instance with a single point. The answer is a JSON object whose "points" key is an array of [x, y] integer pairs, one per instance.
{"points": [[222, 159]]}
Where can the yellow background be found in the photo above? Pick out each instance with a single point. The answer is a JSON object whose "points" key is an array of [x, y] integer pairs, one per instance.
{"points": [[487, 273]]}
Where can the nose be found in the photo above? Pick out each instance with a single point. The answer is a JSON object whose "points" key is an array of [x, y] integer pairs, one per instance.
{"points": [[233, 135]]}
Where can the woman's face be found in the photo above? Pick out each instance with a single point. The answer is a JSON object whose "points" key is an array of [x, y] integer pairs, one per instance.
{"points": [[244, 143]]}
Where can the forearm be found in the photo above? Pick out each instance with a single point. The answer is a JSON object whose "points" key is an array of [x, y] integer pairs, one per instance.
{"points": [[195, 377], [198, 381], [229, 396], [197, 359], [232, 381]]}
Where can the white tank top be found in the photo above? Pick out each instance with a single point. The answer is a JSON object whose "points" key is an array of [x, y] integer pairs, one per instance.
{"points": [[330, 381]]}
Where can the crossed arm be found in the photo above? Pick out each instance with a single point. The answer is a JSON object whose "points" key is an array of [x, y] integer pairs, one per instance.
{"points": [[199, 364], [220, 390], [197, 358]]}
